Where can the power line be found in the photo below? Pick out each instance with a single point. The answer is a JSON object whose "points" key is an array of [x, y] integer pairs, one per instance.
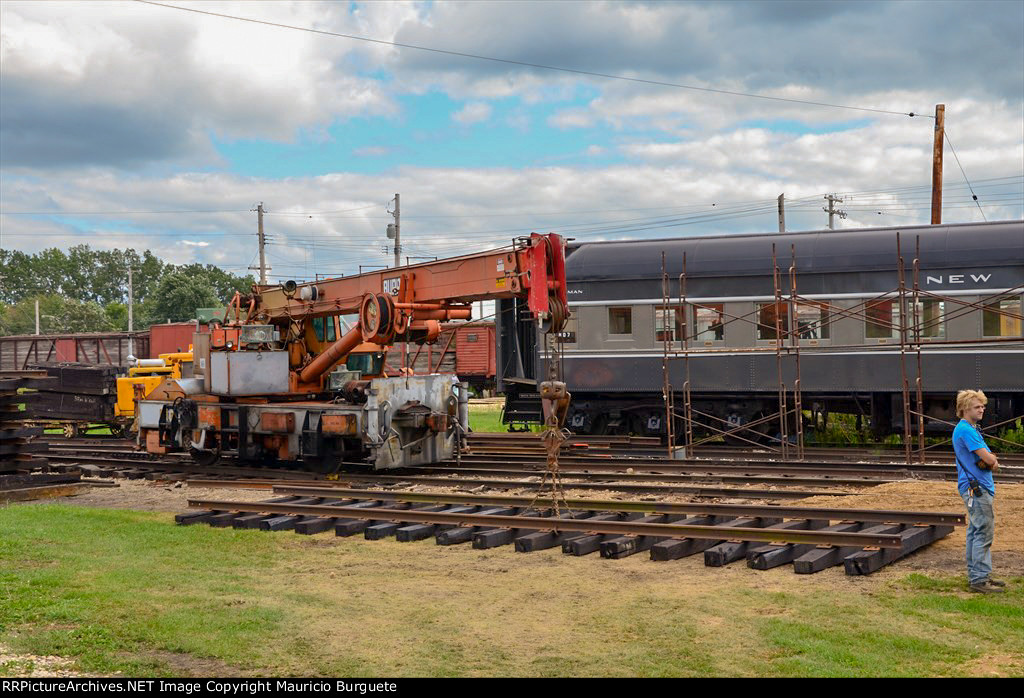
{"points": [[529, 65], [957, 158], [111, 213]]}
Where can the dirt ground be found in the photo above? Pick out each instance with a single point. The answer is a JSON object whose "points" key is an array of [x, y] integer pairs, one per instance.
{"points": [[547, 619], [945, 556]]}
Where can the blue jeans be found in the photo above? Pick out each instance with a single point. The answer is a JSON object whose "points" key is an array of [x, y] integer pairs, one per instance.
{"points": [[981, 528]]}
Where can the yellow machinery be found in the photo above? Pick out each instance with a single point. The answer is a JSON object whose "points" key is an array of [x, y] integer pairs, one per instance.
{"points": [[146, 375]]}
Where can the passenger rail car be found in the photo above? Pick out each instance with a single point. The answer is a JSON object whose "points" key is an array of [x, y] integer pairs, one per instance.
{"points": [[847, 316]]}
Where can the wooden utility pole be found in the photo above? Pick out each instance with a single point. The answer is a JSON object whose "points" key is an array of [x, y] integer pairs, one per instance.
{"points": [[131, 315], [263, 243], [940, 135]]}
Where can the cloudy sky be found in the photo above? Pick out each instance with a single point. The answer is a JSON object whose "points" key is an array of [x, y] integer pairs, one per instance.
{"points": [[131, 124]]}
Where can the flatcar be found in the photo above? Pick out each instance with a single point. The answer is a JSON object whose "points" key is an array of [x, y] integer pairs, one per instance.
{"points": [[847, 314]]}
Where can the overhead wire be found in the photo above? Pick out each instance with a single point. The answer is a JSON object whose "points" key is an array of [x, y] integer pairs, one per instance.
{"points": [[527, 64], [945, 133]]}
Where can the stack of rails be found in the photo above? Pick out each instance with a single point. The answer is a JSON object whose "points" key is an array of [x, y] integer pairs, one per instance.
{"points": [[80, 392], [811, 539], [20, 445]]}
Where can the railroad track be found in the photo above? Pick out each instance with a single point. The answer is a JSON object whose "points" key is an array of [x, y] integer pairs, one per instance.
{"points": [[503, 445], [790, 470], [511, 444], [651, 476], [187, 471], [810, 539]]}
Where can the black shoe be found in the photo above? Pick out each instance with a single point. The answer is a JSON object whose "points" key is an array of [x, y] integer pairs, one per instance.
{"points": [[996, 582], [985, 587]]}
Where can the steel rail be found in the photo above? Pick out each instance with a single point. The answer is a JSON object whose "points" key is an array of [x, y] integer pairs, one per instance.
{"points": [[778, 479], [625, 528], [1007, 474], [620, 487], [875, 515], [607, 483], [831, 458]]}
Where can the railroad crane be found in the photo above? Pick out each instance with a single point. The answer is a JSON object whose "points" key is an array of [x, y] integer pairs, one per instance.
{"points": [[296, 371]]}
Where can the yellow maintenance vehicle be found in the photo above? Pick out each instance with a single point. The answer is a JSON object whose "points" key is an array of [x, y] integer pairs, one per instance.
{"points": [[145, 375]]}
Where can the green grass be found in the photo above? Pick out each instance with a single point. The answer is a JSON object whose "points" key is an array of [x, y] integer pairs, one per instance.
{"points": [[487, 418], [130, 592]]}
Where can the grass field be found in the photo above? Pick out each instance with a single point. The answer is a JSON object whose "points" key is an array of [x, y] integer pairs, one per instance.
{"points": [[130, 592], [486, 418]]}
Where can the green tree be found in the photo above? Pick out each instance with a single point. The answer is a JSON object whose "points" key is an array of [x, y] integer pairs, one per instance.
{"points": [[178, 295], [57, 315], [224, 283], [15, 275], [117, 314]]}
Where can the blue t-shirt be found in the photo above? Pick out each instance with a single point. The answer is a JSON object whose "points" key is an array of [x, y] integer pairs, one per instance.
{"points": [[967, 440]]}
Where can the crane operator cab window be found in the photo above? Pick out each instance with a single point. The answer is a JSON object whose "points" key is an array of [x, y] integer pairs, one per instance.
{"points": [[366, 364], [324, 329]]}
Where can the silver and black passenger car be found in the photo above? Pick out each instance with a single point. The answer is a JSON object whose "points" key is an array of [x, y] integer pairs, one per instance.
{"points": [[847, 316]]}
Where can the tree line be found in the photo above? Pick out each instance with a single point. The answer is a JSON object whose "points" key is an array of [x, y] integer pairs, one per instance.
{"points": [[86, 290]]}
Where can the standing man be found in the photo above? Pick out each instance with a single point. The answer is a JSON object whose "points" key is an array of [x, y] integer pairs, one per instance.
{"points": [[975, 464]]}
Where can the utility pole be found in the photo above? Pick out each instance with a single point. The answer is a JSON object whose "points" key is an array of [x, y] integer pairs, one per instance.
{"points": [[832, 211], [782, 212], [940, 134], [394, 232], [398, 231], [37, 316], [263, 244], [131, 316]]}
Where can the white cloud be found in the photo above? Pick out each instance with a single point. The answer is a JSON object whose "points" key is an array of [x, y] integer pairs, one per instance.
{"points": [[472, 113]]}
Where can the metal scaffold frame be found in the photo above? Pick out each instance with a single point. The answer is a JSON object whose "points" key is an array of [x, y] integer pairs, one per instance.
{"points": [[910, 330], [912, 338]]}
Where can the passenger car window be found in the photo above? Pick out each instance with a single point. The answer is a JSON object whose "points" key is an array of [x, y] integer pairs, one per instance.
{"points": [[812, 320], [620, 321], [669, 324], [1002, 318], [710, 321], [931, 318], [882, 320], [766, 318]]}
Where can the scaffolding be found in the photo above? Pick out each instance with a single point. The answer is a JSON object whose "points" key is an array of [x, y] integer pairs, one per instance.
{"points": [[913, 331]]}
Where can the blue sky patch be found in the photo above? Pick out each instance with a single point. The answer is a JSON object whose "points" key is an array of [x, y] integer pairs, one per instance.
{"points": [[425, 134]]}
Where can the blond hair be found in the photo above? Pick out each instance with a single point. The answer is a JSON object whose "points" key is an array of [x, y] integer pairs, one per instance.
{"points": [[964, 399]]}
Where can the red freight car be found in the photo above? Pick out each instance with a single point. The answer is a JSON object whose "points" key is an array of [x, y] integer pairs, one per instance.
{"points": [[466, 349], [172, 337], [102, 348]]}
